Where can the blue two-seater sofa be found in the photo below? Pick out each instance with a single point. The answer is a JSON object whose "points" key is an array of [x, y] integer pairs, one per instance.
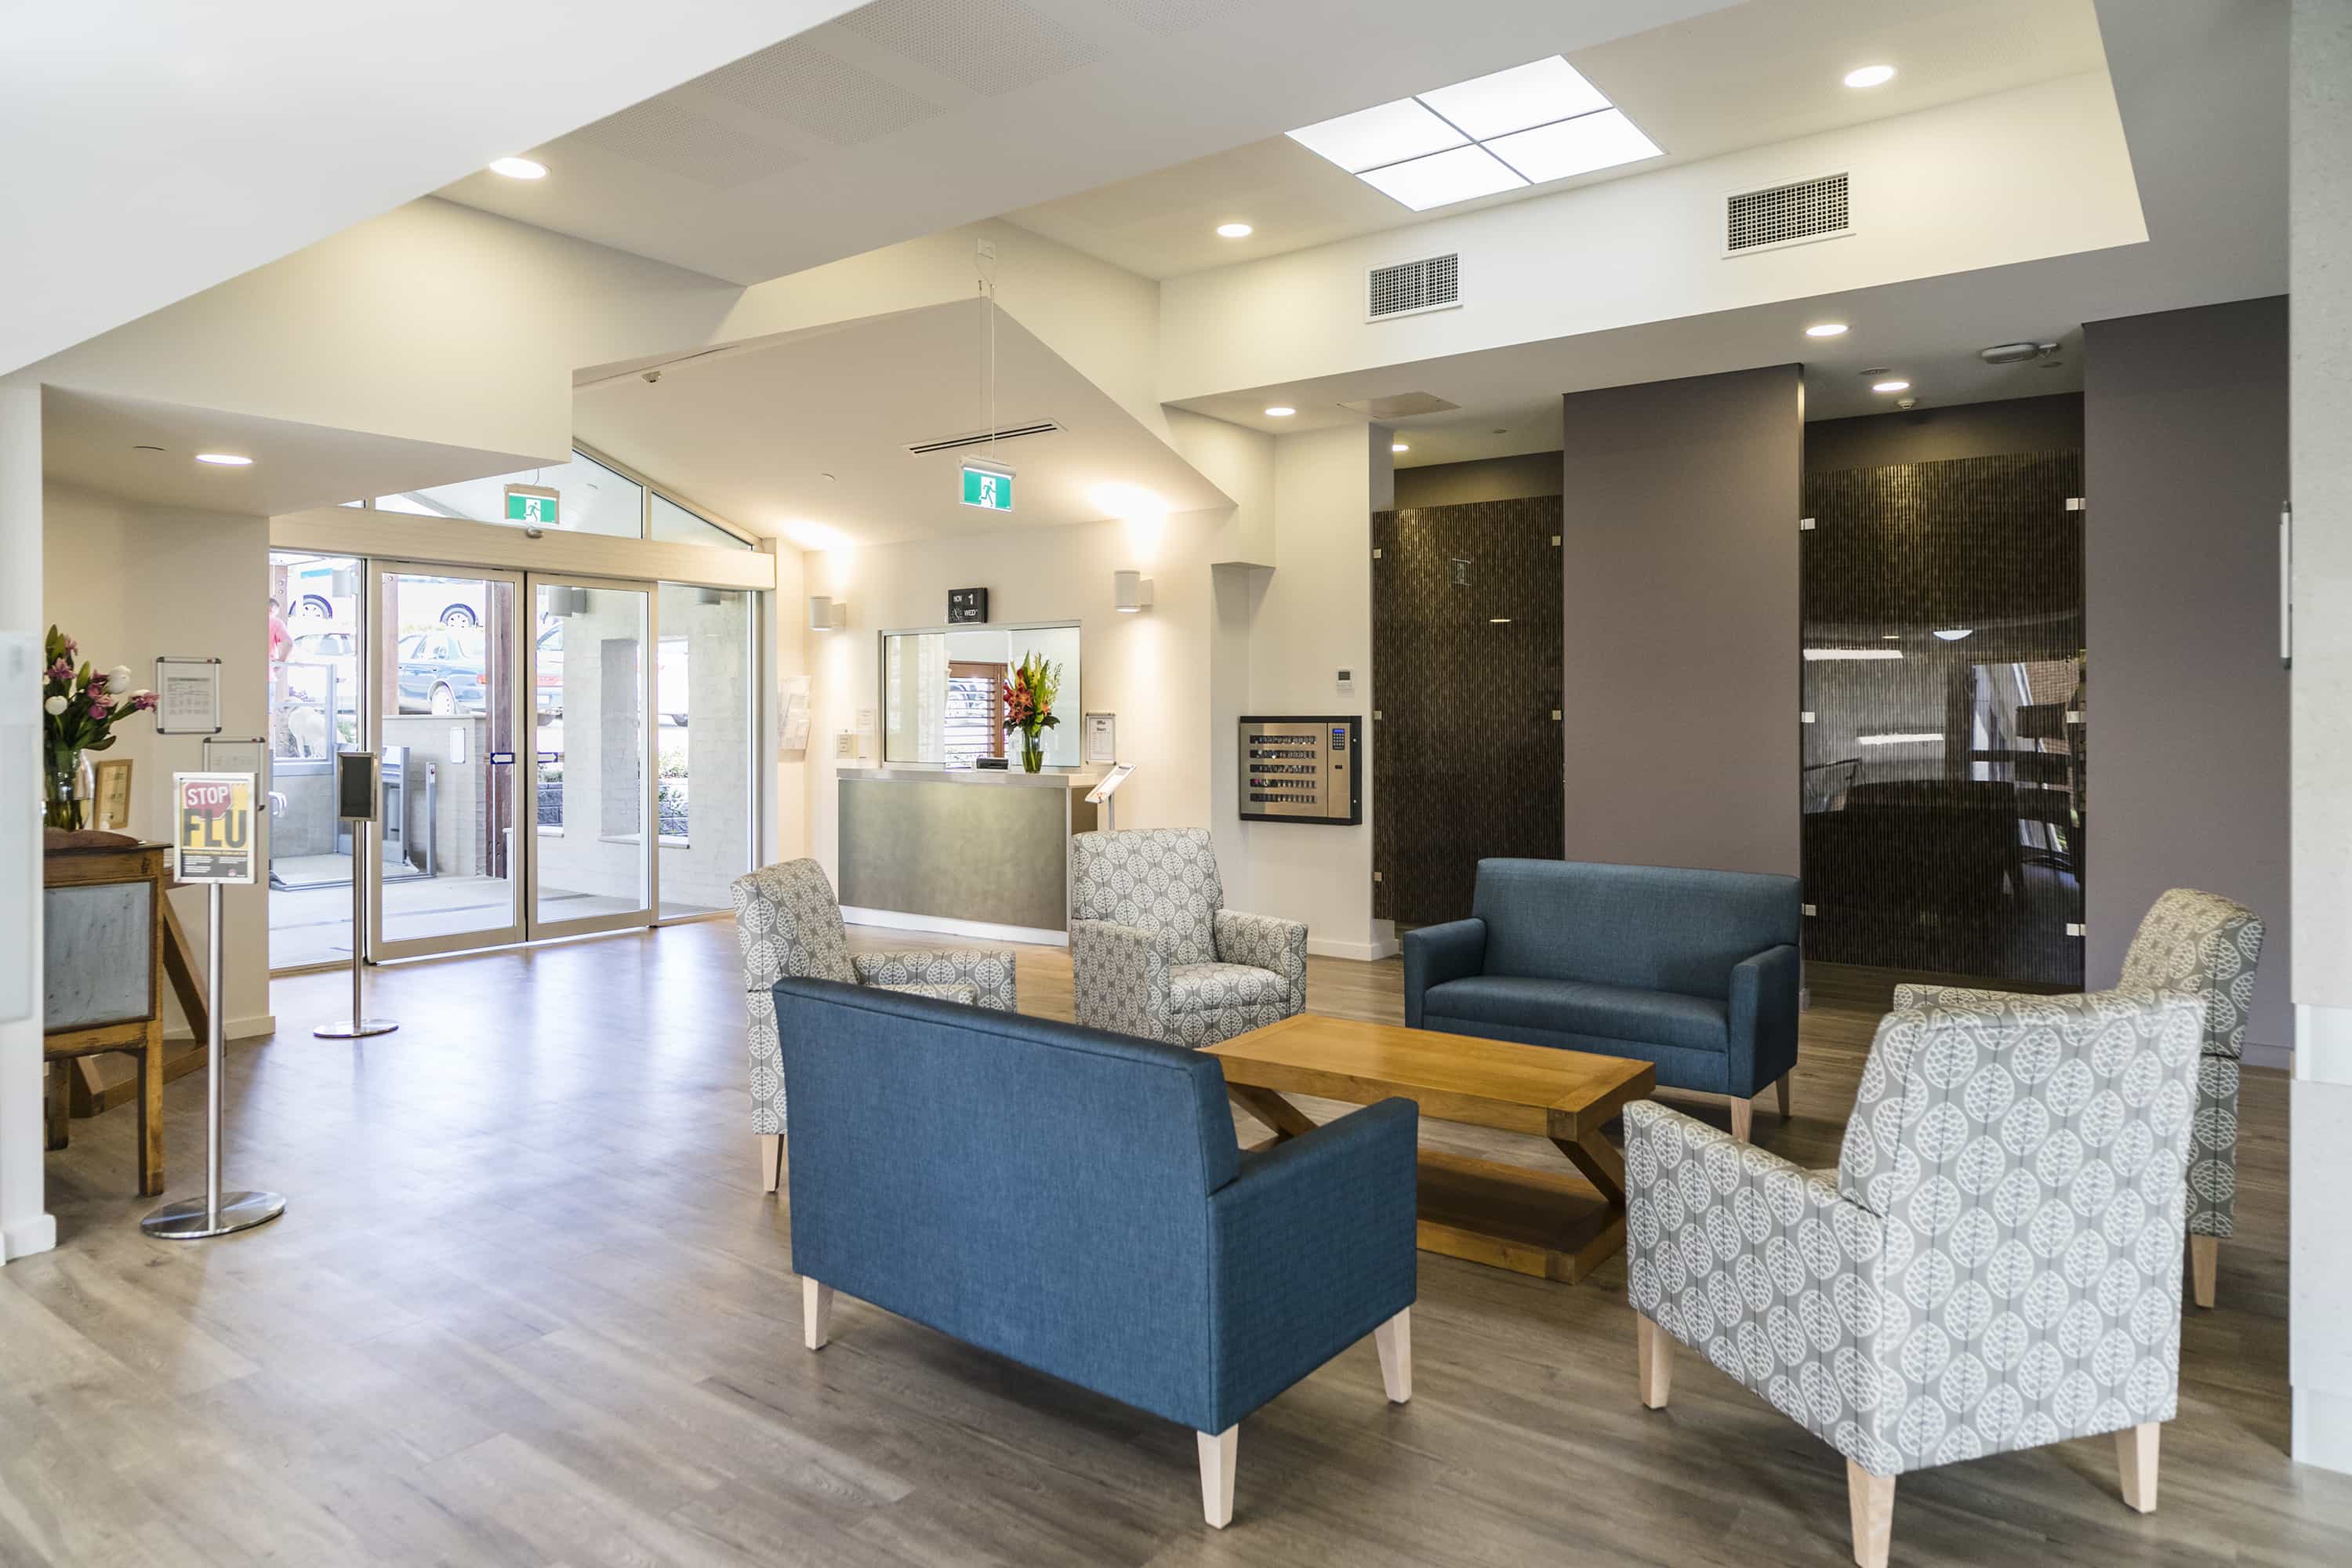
{"points": [[1076, 1201], [1694, 971]]}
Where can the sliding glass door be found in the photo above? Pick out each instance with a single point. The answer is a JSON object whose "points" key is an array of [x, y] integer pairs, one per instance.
{"points": [[593, 818], [446, 675]]}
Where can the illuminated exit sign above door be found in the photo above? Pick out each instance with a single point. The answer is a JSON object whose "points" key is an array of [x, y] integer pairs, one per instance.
{"points": [[533, 504], [988, 486]]}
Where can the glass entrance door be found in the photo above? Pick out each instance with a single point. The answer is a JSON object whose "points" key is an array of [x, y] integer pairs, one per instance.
{"points": [[593, 812], [445, 672]]}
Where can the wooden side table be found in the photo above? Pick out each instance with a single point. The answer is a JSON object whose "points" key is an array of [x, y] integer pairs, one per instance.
{"points": [[103, 974]]}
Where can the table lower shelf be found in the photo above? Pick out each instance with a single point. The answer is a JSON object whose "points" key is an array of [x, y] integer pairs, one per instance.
{"points": [[1547, 1224]]}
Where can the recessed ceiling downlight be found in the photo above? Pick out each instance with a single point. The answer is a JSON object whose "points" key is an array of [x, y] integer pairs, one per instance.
{"points": [[1890, 386], [1280, 411], [1870, 76], [1954, 634], [225, 460], [1234, 231], [1399, 447], [518, 168], [1826, 329]]}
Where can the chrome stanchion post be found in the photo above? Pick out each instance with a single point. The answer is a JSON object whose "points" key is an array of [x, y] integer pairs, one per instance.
{"points": [[359, 1026], [216, 1213]]}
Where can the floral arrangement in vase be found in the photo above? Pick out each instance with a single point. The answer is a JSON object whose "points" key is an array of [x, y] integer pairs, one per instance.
{"points": [[81, 707], [1029, 706]]}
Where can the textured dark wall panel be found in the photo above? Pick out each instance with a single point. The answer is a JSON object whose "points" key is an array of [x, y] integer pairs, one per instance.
{"points": [[1465, 675], [1942, 777]]}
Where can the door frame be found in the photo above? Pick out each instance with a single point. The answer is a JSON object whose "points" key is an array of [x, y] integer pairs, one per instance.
{"points": [[649, 818], [383, 642]]}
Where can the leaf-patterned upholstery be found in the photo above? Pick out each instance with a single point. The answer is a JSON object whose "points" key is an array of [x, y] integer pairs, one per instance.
{"points": [[1994, 1264], [788, 921], [2208, 946], [1153, 954]]}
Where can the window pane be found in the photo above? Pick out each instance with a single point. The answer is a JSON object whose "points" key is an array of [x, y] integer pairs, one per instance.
{"points": [[596, 499], [673, 524]]}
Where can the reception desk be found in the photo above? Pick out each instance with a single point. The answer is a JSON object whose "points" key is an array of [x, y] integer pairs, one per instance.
{"points": [[964, 851]]}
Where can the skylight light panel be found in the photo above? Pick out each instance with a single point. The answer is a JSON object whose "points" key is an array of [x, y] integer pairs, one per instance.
{"points": [[1388, 133], [1576, 146], [1443, 178], [1517, 99]]}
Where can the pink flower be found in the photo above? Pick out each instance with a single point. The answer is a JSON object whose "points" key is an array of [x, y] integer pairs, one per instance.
{"points": [[143, 702], [100, 705], [61, 670]]}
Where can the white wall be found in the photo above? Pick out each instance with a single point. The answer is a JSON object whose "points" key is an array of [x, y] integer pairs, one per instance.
{"points": [[1555, 265], [26, 1225], [1313, 619], [130, 582], [2319, 1306]]}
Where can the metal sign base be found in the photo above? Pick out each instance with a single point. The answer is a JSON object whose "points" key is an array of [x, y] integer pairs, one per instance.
{"points": [[193, 1219], [355, 1028]]}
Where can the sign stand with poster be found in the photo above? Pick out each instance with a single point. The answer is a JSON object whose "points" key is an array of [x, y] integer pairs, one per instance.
{"points": [[355, 803], [213, 842]]}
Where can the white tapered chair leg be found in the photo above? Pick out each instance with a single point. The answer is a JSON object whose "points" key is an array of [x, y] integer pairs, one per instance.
{"points": [[816, 1313], [1871, 1501], [1217, 1475], [2136, 1458], [1654, 1360], [1394, 1340], [771, 1160]]}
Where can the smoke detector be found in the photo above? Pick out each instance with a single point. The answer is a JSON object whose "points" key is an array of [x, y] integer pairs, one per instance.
{"points": [[2016, 354]]}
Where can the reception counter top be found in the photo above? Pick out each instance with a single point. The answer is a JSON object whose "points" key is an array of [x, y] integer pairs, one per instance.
{"points": [[967, 851]]}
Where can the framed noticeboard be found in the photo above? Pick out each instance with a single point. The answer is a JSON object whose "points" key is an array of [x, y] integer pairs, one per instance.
{"points": [[187, 695]]}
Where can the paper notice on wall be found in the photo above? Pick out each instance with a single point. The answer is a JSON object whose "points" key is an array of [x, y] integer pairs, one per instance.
{"points": [[187, 695], [793, 713]]}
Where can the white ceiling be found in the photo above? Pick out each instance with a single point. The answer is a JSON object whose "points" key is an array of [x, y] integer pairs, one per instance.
{"points": [[2197, 88], [752, 433], [1767, 71], [96, 441], [154, 148], [907, 117]]}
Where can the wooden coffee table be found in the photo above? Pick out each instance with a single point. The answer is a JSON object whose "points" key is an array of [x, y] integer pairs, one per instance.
{"points": [[1550, 1223]]}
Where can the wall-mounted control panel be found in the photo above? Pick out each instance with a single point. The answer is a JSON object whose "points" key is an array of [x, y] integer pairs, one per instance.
{"points": [[1303, 769]]}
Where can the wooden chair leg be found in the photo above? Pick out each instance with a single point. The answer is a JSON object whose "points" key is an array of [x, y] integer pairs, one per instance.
{"points": [[2204, 1262], [150, 1112], [1217, 1453], [1653, 1350], [1393, 1339], [816, 1313], [2136, 1458], [1780, 1092], [772, 1161], [1741, 1110], [1871, 1501], [57, 1102]]}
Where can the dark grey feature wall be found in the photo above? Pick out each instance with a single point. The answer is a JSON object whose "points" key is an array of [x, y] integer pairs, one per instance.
{"points": [[1679, 620], [1528, 475], [2051, 423], [2185, 422]]}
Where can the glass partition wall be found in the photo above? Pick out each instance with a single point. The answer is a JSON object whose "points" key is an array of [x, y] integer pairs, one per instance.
{"points": [[1946, 718], [942, 693]]}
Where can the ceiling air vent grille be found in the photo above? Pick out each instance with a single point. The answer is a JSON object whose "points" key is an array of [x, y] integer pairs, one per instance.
{"points": [[1408, 288], [1794, 214], [981, 437]]}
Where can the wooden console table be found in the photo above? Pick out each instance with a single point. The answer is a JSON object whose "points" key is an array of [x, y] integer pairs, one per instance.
{"points": [[105, 964]]}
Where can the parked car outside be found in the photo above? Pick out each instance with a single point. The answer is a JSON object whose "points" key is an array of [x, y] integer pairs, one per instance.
{"points": [[440, 672]]}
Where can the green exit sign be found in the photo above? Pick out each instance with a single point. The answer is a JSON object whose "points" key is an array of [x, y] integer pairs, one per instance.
{"points": [[987, 487], [533, 504]]}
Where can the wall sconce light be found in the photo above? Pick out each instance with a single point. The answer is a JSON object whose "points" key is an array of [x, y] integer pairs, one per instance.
{"points": [[1133, 591], [826, 616], [564, 603]]}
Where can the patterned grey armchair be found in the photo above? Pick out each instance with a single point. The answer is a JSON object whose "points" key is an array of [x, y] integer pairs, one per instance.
{"points": [[1153, 953], [789, 922], [2206, 945], [1994, 1264]]}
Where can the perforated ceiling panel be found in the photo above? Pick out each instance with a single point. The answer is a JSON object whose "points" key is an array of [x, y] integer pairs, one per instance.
{"points": [[823, 94], [1174, 15], [991, 45], [663, 134]]}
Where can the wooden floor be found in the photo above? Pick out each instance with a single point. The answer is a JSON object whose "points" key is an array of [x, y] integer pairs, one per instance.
{"points": [[527, 1306]]}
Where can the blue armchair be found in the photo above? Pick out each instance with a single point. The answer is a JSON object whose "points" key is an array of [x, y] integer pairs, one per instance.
{"points": [[1075, 1200], [1694, 971]]}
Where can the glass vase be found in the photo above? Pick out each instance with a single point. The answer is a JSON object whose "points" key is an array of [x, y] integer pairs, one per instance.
{"points": [[1032, 754], [60, 808]]}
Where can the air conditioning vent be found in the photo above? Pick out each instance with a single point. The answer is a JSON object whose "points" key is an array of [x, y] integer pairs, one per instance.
{"points": [[1408, 288], [1794, 214], [981, 437]]}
